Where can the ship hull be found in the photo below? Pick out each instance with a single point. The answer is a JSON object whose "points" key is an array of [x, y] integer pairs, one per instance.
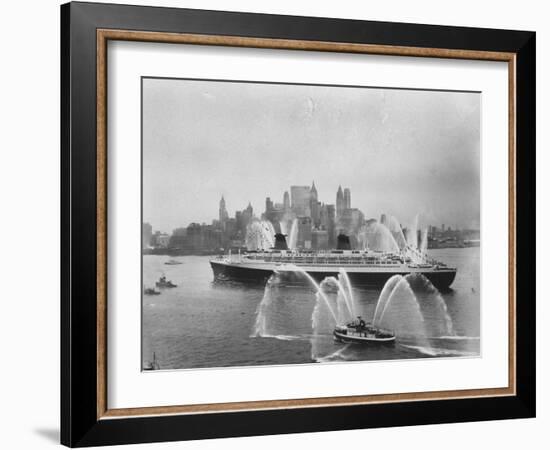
{"points": [[348, 339], [441, 279]]}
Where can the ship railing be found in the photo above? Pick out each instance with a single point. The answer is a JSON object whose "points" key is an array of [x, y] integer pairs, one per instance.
{"points": [[324, 258], [327, 261]]}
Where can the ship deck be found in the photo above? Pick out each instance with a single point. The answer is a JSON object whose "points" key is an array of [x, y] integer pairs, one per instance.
{"points": [[373, 274]]}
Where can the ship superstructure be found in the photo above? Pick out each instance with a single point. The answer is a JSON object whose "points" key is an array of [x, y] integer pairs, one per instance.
{"points": [[362, 266]]}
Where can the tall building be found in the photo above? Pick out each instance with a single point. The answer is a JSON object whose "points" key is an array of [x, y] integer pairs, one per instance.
{"points": [[331, 225], [273, 212], [300, 196], [239, 219], [347, 198], [242, 219], [178, 238], [304, 232], [223, 216], [286, 202], [160, 240], [146, 235], [340, 203], [350, 224], [314, 206], [323, 216], [319, 239], [268, 205], [248, 213], [383, 219], [230, 230], [351, 220], [195, 237]]}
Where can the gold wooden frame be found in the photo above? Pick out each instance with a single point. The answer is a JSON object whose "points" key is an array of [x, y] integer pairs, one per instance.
{"points": [[104, 35]]}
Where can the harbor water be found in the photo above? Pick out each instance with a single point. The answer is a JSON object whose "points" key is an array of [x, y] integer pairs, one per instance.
{"points": [[203, 323]]}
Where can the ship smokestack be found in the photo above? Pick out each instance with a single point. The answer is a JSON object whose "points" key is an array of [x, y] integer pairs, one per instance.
{"points": [[342, 242], [280, 242]]}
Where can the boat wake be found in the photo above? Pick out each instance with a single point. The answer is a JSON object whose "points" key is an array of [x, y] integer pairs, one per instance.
{"points": [[456, 338], [338, 355], [283, 337], [409, 306], [436, 351]]}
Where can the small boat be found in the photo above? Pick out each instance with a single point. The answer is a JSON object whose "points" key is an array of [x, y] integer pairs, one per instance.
{"points": [[173, 262], [361, 332], [152, 365], [151, 291], [164, 283]]}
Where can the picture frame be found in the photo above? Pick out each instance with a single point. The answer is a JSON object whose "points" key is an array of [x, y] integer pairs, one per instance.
{"points": [[86, 418]]}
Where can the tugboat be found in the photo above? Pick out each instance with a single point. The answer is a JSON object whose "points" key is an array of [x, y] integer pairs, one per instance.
{"points": [[152, 365], [151, 291], [361, 332], [163, 283]]}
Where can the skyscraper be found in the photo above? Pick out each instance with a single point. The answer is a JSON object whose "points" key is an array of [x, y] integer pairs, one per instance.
{"points": [[246, 216], [274, 212], [268, 205], [351, 221], [304, 232], [347, 198], [223, 216], [340, 203], [323, 216], [331, 225], [314, 205], [300, 196]]}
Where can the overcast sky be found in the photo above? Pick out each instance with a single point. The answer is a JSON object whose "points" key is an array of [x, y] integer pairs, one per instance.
{"points": [[401, 152]]}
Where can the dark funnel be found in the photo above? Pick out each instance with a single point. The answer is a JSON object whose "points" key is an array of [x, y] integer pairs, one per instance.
{"points": [[280, 242], [342, 242]]}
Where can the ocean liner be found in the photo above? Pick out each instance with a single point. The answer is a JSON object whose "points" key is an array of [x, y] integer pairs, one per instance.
{"points": [[365, 267]]}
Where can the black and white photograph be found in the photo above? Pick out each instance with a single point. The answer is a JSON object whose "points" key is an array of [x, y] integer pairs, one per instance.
{"points": [[300, 224], [271, 225]]}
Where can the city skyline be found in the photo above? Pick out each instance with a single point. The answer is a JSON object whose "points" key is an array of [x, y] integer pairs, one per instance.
{"points": [[259, 211], [308, 223], [400, 152], [298, 202]]}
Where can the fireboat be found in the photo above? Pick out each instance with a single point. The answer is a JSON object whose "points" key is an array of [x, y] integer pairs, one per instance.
{"points": [[360, 332]]}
